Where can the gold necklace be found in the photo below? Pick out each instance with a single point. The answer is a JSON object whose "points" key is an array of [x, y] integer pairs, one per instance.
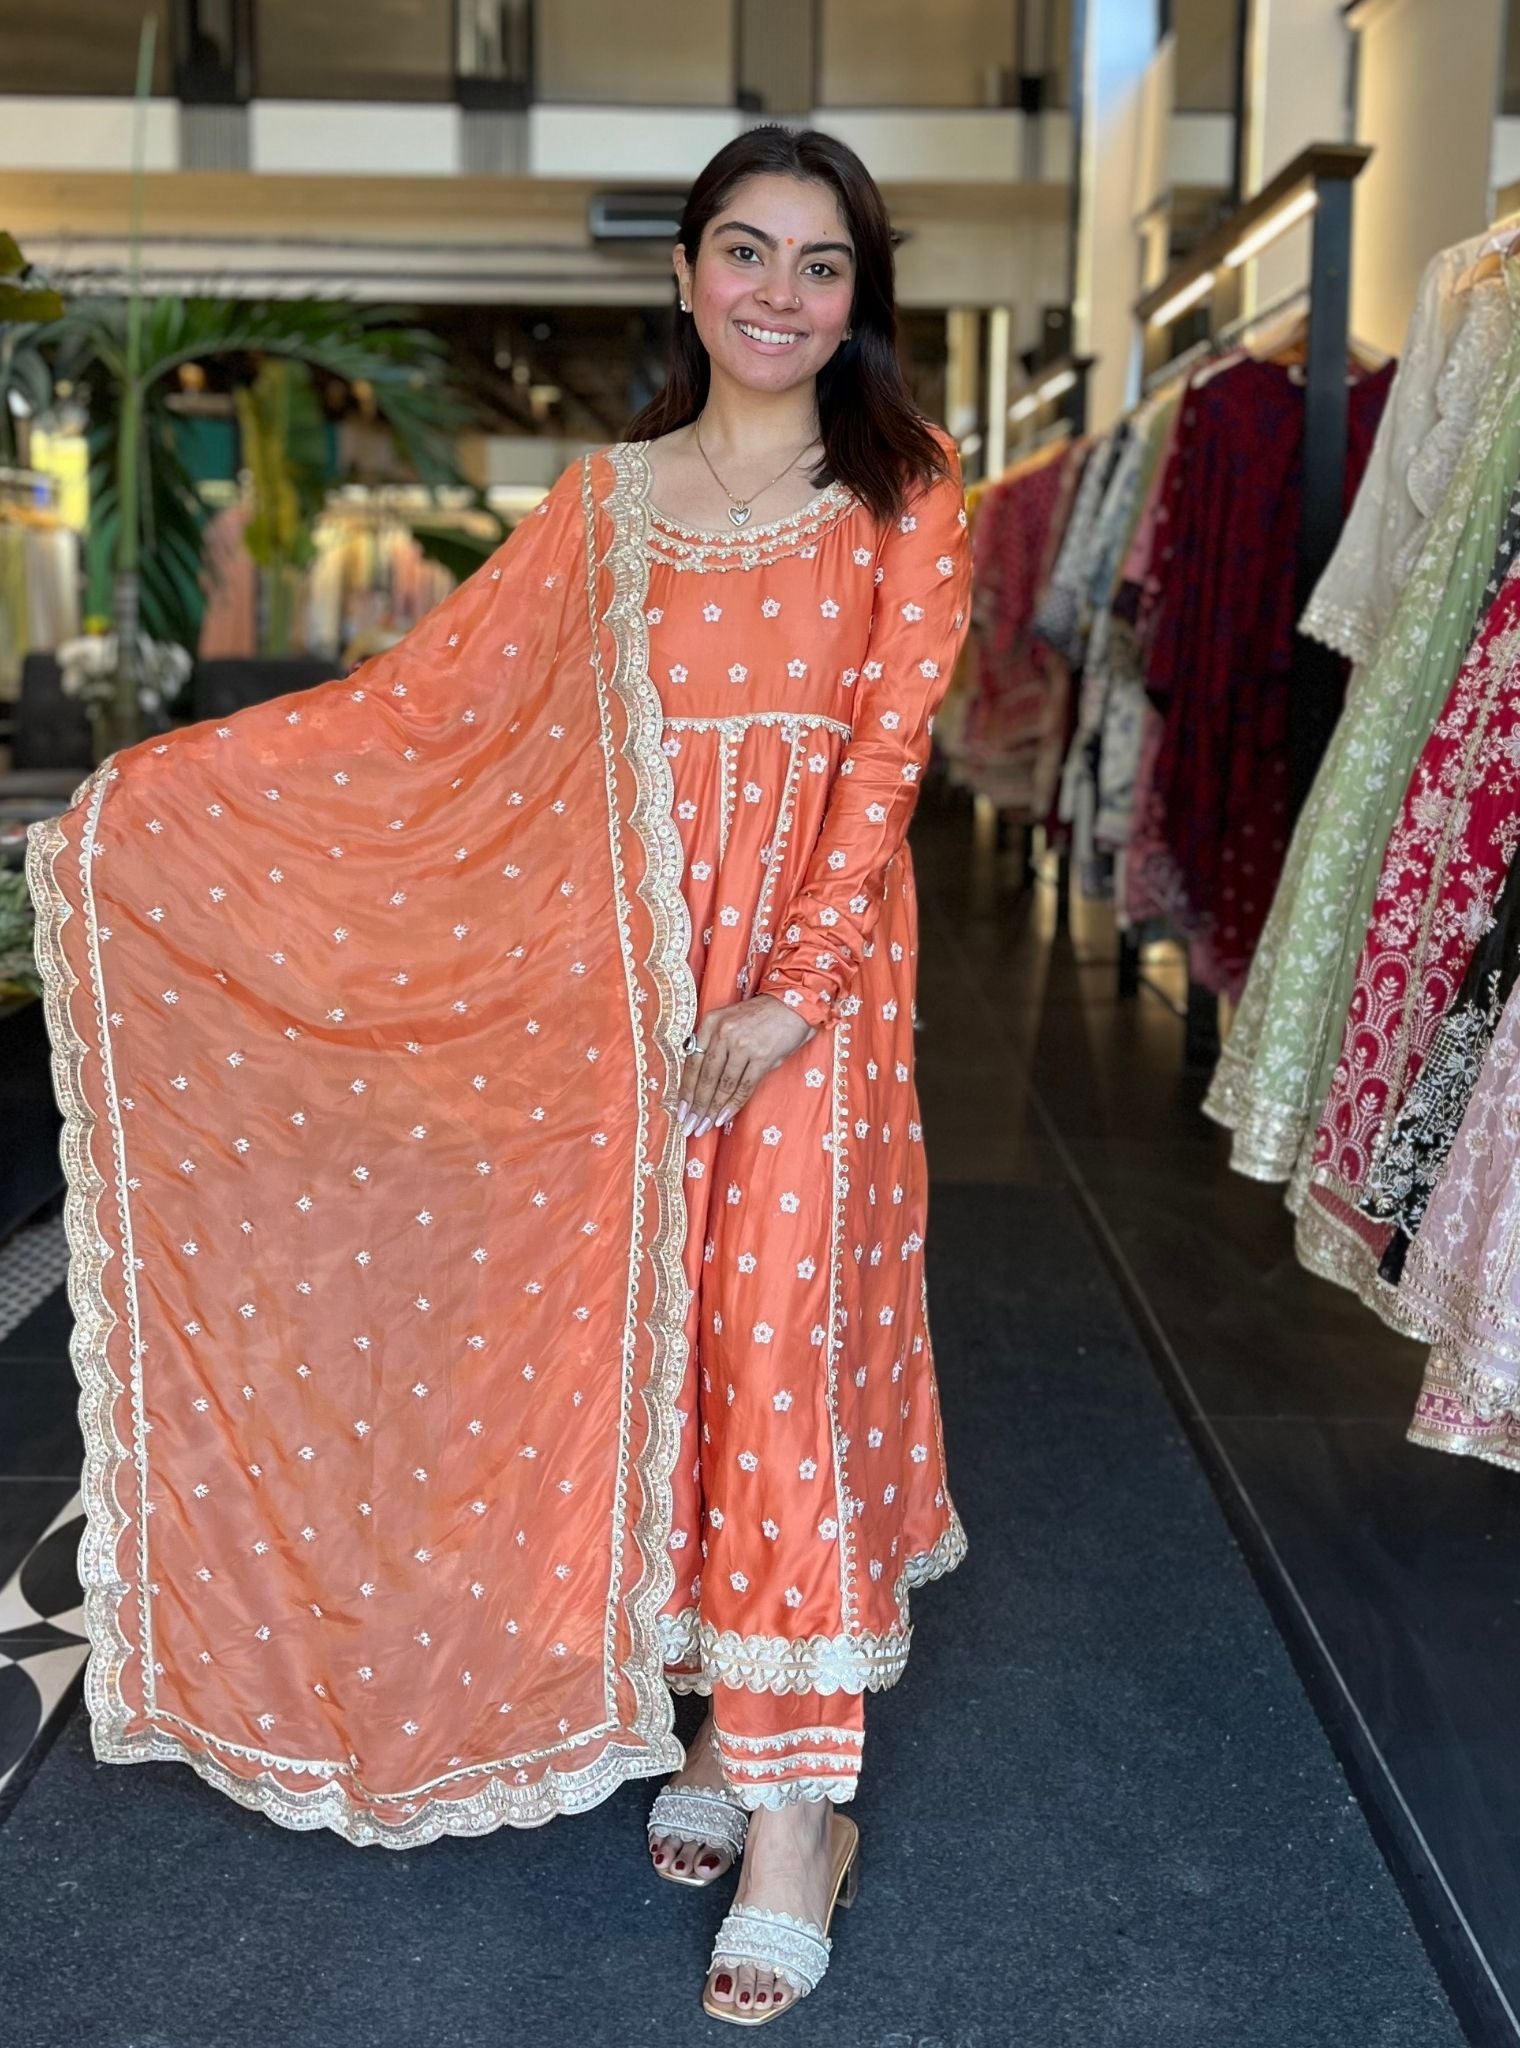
{"points": [[739, 508]]}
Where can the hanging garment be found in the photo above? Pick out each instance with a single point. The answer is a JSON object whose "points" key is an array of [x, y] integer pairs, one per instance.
{"points": [[1274, 1071], [1015, 714], [1063, 615], [1120, 652], [1462, 1273], [412, 1397], [1404, 1169], [1222, 653], [1453, 341], [52, 585], [1112, 532], [230, 578], [1149, 886], [1442, 869]]}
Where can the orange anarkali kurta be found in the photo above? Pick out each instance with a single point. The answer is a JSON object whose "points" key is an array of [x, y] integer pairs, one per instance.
{"points": [[798, 665], [406, 1427]]}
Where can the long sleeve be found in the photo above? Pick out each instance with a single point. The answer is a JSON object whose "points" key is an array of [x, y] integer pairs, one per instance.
{"points": [[919, 620]]}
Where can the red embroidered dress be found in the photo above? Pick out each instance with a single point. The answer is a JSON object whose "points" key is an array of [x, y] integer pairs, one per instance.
{"points": [[1444, 865]]}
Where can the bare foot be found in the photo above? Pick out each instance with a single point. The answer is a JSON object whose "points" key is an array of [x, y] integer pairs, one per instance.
{"points": [[786, 1870], [702, 1772]]}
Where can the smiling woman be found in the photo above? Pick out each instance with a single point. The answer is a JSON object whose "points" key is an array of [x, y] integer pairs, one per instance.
{"points": [[808, 591], [784, 371], [497, 1191]]}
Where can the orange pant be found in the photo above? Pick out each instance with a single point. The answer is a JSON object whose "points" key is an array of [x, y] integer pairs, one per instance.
{"points": [[777, 1747]]}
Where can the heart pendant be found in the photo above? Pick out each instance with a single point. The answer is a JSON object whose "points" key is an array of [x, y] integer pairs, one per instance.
{"points": [[739, 514]]}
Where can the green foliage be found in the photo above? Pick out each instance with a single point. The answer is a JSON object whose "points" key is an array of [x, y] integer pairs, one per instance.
{"points": [[406, 367], [25, 301], [459, 552], [18, 966]]}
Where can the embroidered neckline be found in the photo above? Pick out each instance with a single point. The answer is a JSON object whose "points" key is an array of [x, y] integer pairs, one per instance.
{"points": [[697, 546]]}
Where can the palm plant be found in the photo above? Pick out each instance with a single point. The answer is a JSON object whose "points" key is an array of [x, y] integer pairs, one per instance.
{"points": [[146, 517], [285, 449], [25, 299], [124, 354]]}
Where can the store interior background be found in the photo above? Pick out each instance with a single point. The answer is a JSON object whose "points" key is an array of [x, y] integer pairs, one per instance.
{"points": [[511, 175]]}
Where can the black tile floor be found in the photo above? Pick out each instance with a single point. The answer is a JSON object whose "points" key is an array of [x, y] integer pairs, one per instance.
{"points": [[1389, 1570]]}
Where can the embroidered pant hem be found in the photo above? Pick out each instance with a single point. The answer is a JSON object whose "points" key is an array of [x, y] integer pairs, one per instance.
{"points": [[777, 1748]]}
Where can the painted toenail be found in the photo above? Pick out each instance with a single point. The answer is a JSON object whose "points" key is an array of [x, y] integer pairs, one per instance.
{"points": [[724, 1985]]}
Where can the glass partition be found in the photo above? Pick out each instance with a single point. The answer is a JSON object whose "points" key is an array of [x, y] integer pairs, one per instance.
{"points": [[636, 52], [903, 53], [1208, 35], [382, 50], [82, 46], [778, 57]]}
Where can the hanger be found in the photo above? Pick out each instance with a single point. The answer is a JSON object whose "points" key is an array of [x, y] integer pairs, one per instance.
{"points": [[1286, 341], [1500, 242]]}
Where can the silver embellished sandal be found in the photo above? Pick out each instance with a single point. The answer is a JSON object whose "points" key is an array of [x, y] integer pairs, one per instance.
{"points": [[797, 1950], [694, 1814]]}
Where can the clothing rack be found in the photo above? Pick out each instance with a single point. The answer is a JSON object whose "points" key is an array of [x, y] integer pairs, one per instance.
{"points": [[1057, 403], [1315, 185], [1219, 343]]}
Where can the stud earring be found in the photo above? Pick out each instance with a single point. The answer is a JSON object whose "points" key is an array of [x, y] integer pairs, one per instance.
{"points": [[684, 307]]}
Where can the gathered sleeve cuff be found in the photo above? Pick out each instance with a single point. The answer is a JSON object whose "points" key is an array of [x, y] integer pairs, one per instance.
{"points": [[919, 621]]}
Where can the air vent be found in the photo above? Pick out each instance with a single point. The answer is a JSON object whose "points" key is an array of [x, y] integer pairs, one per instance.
{"points": [[634, 216]]}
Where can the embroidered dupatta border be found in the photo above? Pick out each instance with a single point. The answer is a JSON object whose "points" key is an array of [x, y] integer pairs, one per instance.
{"points": [[657, 1287]]}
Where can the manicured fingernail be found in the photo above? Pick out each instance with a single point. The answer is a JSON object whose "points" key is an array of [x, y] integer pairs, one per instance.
{"points": [[688, 1125], [681, 1108], [704, 1127]]}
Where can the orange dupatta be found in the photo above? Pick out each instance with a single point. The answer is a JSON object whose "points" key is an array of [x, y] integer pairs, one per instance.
{"points": [[365, 1003]]}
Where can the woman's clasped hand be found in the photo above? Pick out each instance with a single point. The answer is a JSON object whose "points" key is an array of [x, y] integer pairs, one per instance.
{"points": [[734, 1049]]}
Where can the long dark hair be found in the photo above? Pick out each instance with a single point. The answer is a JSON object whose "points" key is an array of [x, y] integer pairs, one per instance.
{"points": [[875, 441]]}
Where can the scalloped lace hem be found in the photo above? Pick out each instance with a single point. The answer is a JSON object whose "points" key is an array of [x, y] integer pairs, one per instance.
{"points": [[850, 1662]]}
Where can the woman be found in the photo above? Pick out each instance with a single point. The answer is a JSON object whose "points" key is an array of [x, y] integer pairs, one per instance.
{"points": [[496, 1193]]}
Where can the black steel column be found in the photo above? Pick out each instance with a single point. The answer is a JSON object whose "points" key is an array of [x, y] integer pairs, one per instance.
{"points": [[1315, 703]]}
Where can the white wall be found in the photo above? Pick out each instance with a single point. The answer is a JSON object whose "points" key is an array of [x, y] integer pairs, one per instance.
{"points": [[1427, 102], [43, 134], [377, 138], [354, 138], [1299, 73], [1121, 44]]}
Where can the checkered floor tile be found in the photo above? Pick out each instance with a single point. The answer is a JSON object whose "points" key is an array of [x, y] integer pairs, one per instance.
{"points": [[33, 1261], [43, 1646]]}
